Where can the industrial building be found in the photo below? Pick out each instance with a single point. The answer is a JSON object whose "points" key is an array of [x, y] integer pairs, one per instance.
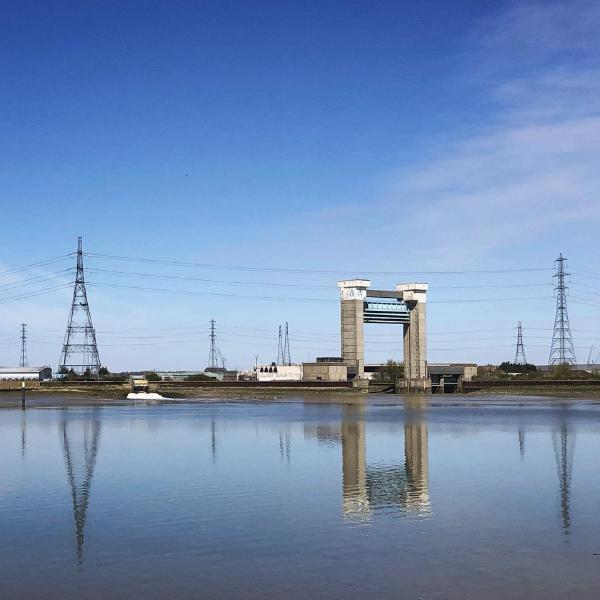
{"points": [[274, 372], [325, 369], [25, 373]]}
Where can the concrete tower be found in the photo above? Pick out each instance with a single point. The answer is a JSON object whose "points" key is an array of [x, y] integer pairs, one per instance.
{"points": [[405, 305]]}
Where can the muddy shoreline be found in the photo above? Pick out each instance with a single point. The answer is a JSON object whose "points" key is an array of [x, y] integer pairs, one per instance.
{"points": [[43, 398]]}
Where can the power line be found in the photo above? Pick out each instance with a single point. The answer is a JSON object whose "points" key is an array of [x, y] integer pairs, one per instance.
{"points": [[40, 292], [294, 299], [41, 263], [289, 285], [309, 271], [37, 279], [205, 280]]}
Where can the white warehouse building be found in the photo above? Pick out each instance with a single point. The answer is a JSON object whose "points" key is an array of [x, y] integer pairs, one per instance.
{"points": [[274, 372], [25, 373]]}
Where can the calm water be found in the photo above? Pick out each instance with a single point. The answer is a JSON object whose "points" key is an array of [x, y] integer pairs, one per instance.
{"points": [[301, 501]]}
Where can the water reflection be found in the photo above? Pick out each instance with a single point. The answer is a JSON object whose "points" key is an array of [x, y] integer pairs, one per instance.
{"points": [[80, 435], [563, 442], [354, 466], [522, 442], [213, 441], [370, 486], [23, 432], [285, 443]]}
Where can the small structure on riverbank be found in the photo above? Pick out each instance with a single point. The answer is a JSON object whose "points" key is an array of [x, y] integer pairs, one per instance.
{"points": [[25, 373]]}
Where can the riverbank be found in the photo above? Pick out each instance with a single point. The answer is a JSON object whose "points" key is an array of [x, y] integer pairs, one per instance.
{"points": [[554, 392], [74, 399]]}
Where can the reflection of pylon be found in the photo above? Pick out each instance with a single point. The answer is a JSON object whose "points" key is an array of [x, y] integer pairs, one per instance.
{"points": [[80, 351], [213, 442], [563, 453], [80, 483], [522, 443], [520, 352]]}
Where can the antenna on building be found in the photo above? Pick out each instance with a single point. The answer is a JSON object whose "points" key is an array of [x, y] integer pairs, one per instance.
{"points": [[286, 346], [280, 358], [520, 352], [23, 360], [80, 350], [562, 351], [213, 356]]}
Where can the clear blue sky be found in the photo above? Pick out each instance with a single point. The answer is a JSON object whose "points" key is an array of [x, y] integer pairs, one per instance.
{"points": [[347, 137]]}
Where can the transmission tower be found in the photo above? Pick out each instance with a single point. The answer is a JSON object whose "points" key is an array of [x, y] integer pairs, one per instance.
{"points": [[520, 352], [562, 351], [280, 358], [80, 350], [23, 360], [213, 355], [286, 347]]}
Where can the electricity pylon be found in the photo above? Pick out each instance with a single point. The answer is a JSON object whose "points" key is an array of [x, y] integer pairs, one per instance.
{"points": [[280, 357], [520, 351], [287, 360], [562, 351], [23, 359], [80, 350]]}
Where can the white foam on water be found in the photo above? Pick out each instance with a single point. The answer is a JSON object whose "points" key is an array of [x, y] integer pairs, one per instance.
{"points": [[145, 396]]}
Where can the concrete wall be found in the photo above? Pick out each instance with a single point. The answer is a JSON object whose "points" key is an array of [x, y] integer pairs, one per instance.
{"points": [[469, 372], [320, 371]]}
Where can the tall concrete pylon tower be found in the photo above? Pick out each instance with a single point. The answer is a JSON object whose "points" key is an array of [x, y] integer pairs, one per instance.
{"points": [[406, 305]]}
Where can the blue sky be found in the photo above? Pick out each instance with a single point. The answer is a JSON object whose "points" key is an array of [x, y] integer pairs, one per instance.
{"points": [[397, 141]]}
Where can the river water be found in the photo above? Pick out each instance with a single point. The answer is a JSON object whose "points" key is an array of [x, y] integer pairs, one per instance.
{"points": [[301, 500]]}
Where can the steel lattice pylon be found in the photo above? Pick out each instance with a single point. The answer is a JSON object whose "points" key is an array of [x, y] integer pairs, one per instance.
{"points": [[80, 350], [520, 351], [562, 351], [23, 359], [287, 359]]}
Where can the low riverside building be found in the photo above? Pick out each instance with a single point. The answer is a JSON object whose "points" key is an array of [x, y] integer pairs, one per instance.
{"points": [[275, 372], [25, 373], [325, 369]]}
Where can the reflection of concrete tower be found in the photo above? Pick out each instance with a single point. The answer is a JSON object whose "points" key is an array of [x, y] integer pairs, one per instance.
{"points": [[417, 466], [354, 469], [80, 439]]}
